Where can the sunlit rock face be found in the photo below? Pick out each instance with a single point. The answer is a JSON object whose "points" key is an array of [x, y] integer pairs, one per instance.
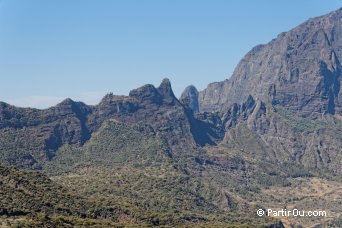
{"points": [[300, 70]]}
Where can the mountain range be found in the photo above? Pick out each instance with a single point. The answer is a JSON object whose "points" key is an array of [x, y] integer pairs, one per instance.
{"points": [[211, 158]]}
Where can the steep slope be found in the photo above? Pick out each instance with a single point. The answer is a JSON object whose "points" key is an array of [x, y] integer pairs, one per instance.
{"points": [[300, 70], [132, 161], [153, 160], [23, 192], [30, 137], [287, 93], [159, 110], [30, 199], [123, 164], [189, 98], [283, 137]]}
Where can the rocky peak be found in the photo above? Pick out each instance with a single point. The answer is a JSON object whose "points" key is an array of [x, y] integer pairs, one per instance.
{"points": [[107, 98], [189, 98], [165, 87], [161, 95], [241, 112], [64, 107], [165, 90], [68, 106], [67, 101], [146, 93], [299, 70], [110, 99]]}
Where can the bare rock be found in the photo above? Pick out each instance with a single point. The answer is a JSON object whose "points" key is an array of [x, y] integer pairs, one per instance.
{"points": [[300, 70]]}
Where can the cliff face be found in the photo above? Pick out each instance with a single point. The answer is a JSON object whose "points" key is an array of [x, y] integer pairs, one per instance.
{"points": [[213, 156], [287, 94], [31, 136], [300, 70], [189, 98], [278, 90]]}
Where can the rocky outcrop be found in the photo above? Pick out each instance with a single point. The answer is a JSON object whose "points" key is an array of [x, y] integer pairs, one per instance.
{"points": [[160, 109], [189, 98], [31, 136], [272, 133], [283, 101], [300, 70], [241, 112]]}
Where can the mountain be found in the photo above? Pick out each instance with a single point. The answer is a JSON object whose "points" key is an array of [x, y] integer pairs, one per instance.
{"points": [[288, 92], [141, 154], [300, 70], [31, 136], [268, 137]]}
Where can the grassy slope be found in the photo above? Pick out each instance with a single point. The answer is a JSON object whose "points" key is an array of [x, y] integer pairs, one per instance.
{"points": [[28, 198], [127, 177], [123, 166]]}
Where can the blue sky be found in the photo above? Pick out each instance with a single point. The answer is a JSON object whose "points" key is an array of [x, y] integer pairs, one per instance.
{"points": [[50, 50]]}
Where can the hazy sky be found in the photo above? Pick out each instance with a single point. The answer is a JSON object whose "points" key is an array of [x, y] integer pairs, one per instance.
{"points": [[50, 50]]}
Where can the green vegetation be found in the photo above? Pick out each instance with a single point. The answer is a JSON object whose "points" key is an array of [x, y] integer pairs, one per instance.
{"points": [[16, 143], [112, 146], [303, 124], [126, 167], [29, 197], [336, 223], [123, 176]]}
